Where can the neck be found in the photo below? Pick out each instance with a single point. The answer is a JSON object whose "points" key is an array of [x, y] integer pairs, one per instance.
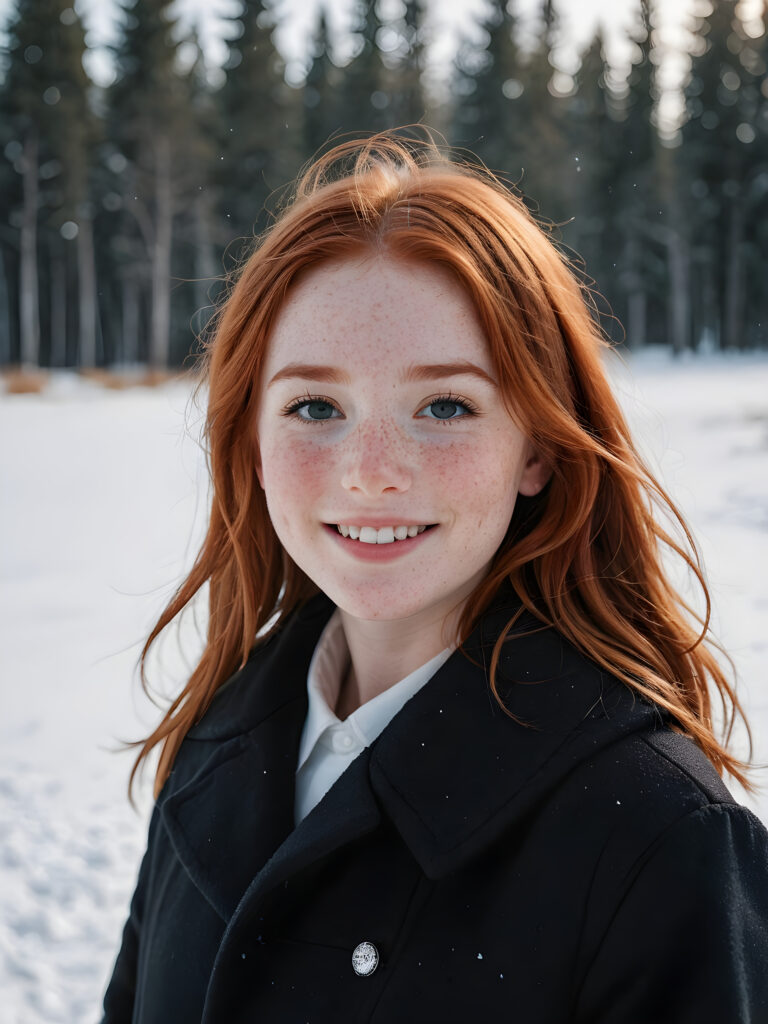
{"points": [[349, 695], [383, 653]]}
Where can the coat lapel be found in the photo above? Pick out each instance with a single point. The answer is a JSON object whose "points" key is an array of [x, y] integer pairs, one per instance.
{"points": [[451, 771], [232, 806], [346, 813]]}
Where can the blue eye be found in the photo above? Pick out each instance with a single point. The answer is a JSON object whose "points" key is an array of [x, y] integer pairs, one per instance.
{"points": [[313, 410], [447, 408]]}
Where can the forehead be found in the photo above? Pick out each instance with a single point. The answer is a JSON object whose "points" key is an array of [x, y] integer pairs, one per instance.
{"points": [[378, 308]]}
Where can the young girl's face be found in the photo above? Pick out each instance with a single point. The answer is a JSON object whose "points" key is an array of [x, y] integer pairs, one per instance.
{"points": [[378, 415]]}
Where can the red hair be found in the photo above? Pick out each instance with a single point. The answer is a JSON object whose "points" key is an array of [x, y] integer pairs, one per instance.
{"points": [[583, 556]]}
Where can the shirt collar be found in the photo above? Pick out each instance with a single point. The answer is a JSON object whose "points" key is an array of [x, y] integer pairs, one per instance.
{"points": [[329, 663]]}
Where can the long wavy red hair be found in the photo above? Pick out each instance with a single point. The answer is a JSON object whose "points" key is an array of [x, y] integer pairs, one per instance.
{"points": [[585, 555]]}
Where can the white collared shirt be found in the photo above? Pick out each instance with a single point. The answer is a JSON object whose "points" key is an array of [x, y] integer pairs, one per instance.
{"points": [[328, 745]]}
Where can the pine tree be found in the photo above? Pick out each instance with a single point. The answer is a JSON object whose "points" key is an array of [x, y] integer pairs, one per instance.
{"points": [[199, 230], [594, 167], [544, 145], [408, 104], [489, 113], [50, 133], [151, 126], [363, 85], [754, 57], [320, 95], [722, 99], [673, 232], [12, 166], [10, 203], [261, 121], [637, 190]]}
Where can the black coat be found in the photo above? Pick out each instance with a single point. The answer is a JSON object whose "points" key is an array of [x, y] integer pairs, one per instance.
{"points": [[586, 866]]}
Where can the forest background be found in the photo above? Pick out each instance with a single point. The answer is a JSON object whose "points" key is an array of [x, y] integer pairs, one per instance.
{"points": [[124, 201], [124, 206]]}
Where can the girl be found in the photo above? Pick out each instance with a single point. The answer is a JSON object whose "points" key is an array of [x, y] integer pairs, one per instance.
{"points": [[449, 752]]}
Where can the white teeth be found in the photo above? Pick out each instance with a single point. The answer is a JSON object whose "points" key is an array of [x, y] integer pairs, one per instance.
{"points": [[368, 535], [386, 535]]}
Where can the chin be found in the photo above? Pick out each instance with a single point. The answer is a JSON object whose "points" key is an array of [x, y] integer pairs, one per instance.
{"points": [[381, 607]]}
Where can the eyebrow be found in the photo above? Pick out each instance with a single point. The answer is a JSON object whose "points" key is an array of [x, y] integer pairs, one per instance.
{"points": [[427, 371]]}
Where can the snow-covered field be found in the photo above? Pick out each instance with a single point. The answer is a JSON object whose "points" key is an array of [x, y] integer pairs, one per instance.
{"points": [[102, 500]]}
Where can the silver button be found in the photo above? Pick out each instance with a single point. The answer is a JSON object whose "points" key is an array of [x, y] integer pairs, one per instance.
{"points": [[365, 959]]}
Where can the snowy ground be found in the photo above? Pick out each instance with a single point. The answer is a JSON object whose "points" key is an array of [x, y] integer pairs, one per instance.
{"points": [[102, 498]]}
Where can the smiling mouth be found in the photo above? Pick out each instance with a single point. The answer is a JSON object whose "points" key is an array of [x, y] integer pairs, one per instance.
{"points": [[386, 535]]}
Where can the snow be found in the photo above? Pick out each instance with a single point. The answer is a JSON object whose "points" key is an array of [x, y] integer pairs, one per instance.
{"points": [[102, 506]]}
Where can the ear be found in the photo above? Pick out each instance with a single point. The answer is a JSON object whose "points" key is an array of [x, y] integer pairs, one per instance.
{"points": [[536, 473]]}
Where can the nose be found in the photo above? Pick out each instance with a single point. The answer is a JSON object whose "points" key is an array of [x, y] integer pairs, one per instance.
{"points": [[377, 461]]}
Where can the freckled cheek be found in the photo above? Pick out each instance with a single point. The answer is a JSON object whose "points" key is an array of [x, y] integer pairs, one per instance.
{"points": [[294, 471], [465, 468], [482, 482]]}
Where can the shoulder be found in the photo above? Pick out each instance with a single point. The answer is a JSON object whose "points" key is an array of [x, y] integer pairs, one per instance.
{"points": [[676, 922], [691, 807], [645, 782], [656, 817], [631, 762], [635, 783], [662, 768], [674, 871]]}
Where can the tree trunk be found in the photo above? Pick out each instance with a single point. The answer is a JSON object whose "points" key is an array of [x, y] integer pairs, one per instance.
{"points": [[6, 327], [636, 296], [636, 318], [130, 325], [675, 236], [734, 277], [710, 331], [87, 301], [29, 289], [679, 280], [679, 309], [160, 319], [206, 275], [58, 306]]}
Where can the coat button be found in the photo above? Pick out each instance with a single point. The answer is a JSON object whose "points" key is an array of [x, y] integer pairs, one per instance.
{"points": [[342, 742], [365, 959]]}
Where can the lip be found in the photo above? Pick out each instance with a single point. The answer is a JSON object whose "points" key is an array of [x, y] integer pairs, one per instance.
{"points": [[377, 552], [377, 522]]}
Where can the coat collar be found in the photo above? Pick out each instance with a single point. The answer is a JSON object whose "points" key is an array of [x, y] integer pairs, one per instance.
{"points": [[228, 803], [451, 770], [457, 770]]}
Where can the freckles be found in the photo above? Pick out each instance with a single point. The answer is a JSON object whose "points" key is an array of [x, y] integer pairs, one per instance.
{"points": [[448, 457], [287, 465], [462, 465], [309, 464]]}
